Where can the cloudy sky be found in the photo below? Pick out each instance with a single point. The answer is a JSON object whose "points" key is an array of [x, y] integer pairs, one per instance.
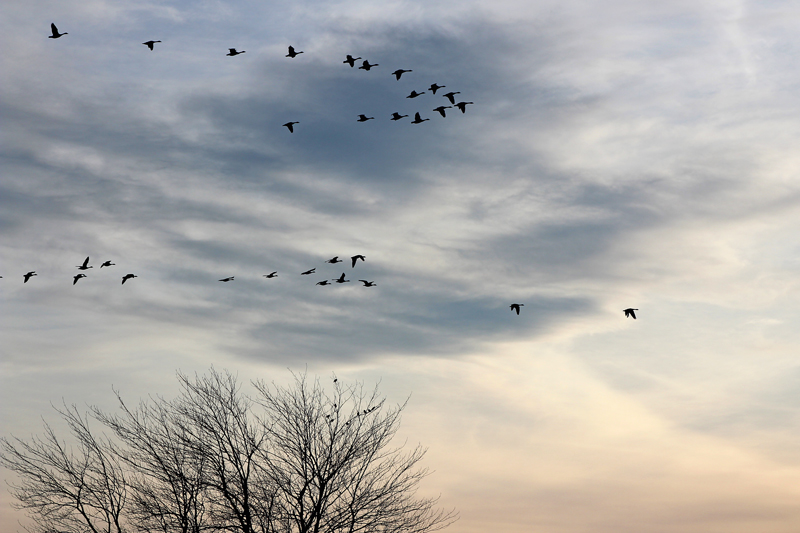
{"points": [[617, 154]]}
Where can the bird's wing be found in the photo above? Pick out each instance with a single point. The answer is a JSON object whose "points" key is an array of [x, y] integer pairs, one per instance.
{"points": [[53, 29], [633, 315], [86, 262]]}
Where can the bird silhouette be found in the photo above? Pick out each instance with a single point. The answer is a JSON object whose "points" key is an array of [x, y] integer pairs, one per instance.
{"points": [[414, 94], [515, 307], [367, 283], [463, 106], [292, 53], [307, 272], [399, 72], [85, 265], [271, 275], [397, 116], [363, 118], [29, 275], [451, 96], [356, 258], [351, 60], [341, 279], [629, 312], [77, 277], [433, 88], [441, 109], [226, 280], [55, 35], [333, 260], [126, 277], [418, 120], [324, 282], [290, 125], [107, 264], [149, 44], [233, 52], [366, 66]]}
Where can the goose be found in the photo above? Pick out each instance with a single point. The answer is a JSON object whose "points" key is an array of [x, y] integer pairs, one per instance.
{"points": [[126, 277], [333, 260], [397, 116], [399, 72], [290, 125], [77, 277], [341, 279], [414, 94], [271, 275], [366, 66], [55, 35], [515, 307], [418, 120], [356, 258], [85, 265], [307, 272], [451, 96], [149, 44], [629, 312], [29, 275], [351, 60], [226, 280], [433, 88], [367, 283], [363, 118], [441, 109], [107, 264], [463, 106], [292, 53], [324, 282], [233, 52]]}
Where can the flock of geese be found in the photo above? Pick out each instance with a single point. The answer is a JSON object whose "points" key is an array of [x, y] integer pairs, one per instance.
{"points": [[349, 60]]}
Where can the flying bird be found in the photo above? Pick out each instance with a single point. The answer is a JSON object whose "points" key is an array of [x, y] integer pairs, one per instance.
{"points": [[85, 265], [366, 66], [307, 272], [55, 35], [126, 277], [433, 88], [441, 109], [451, 96], [271, 275], [515, 307], [463, 106], [324, 282], [334, 260], [363, 118], [226, 280], [418, 120], [351, 60], [29, 275], [77, 277], [292, 53], [233, 52], [149, 44], [341, 279], [629, 312], [399, 72], [367, 283], [107, 264], [290, 125], [414, 94], [356, 258], [397, 116]]}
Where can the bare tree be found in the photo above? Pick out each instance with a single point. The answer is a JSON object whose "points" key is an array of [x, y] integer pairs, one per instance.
{"points": [[330, 459], [290, 459], [78, 491]]}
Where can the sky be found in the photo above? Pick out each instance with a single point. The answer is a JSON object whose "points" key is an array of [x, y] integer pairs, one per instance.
{"points": [[617, 154]]}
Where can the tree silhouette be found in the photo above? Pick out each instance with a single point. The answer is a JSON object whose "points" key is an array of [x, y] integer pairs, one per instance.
{"points": [[293, 459]]}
